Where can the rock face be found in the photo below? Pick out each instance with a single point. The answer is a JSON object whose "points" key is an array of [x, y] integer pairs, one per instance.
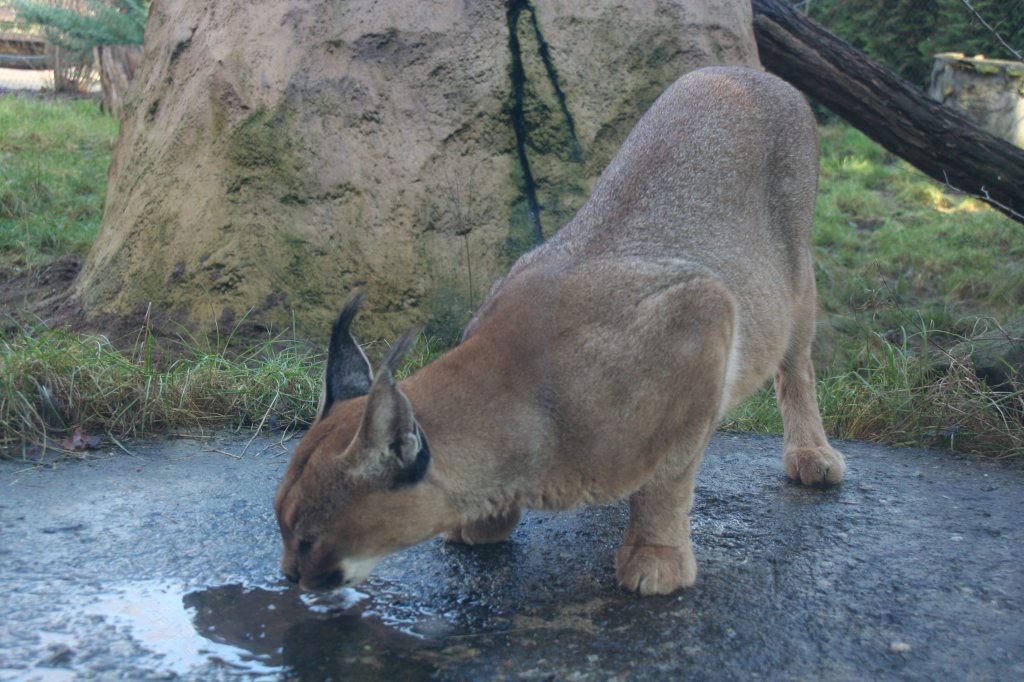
{"points": [[275, 155], [989, 90]]}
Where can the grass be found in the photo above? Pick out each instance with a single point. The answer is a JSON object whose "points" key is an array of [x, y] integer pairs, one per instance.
{"points": [[53, 177], [893, 247], [53, 381], [900, 396], [906, 270]]}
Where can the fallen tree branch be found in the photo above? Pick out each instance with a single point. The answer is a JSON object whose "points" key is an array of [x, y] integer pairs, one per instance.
{"points": [[939, 141]]}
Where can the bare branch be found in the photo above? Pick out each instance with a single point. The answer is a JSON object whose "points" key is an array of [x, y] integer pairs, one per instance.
{"points": [[992, 29], [986, 197]]}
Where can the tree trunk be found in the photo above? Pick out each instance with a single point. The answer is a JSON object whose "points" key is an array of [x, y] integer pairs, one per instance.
{"points": [[936, 139], [117, 65], [57, 65]]}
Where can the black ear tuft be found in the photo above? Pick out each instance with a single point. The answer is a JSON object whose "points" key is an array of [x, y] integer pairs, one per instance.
{"points": [[398, 350], [348, 372]]}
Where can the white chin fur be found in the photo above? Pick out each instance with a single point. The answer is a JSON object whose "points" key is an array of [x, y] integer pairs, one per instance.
{"points": [[356, 570]]}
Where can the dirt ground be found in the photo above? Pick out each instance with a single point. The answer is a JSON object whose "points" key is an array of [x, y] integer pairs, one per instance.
{"points": [[46, 294], [42, 292]]}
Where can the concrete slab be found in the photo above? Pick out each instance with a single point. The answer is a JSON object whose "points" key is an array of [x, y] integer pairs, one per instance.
{"points": [[163, 565]]}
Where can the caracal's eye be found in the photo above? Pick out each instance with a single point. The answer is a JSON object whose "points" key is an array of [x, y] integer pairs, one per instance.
{"points": [[305, 545]]}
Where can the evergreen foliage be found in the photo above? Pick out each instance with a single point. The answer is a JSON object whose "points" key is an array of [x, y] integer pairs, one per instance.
{"points": [[904, 34], [107, 22]]}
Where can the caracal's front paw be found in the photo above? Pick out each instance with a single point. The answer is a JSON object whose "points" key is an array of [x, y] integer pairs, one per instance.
{"points": [[655, 569], [485, 531], [822, 465]]}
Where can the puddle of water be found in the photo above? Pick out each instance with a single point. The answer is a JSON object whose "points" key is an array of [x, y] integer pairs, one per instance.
{"points": [[256, 633], [160, 621], [310, 635]]}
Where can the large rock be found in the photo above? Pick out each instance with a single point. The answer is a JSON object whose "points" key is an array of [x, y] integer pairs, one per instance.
{"points": [[989, 90], [275, 155]]}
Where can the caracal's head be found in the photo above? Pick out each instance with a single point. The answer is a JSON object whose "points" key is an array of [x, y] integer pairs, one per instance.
{"points": [[354, 490]]}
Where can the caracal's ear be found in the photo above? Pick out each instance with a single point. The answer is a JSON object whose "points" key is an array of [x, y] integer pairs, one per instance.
{"points": [[388, 431], [348, 373]]}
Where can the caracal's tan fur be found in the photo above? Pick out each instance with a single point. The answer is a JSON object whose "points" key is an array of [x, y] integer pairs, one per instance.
{"points": [[600, 365]]}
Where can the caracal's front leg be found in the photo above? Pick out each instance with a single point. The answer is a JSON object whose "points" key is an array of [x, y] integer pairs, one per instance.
{"points": [[656, 556], [807, 455]]}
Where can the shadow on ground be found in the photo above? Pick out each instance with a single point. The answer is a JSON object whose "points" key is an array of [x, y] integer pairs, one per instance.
{"points": [[164, 565]]}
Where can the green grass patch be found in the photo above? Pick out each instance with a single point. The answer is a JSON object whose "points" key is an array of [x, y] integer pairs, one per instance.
{"points": [[892, 246], [54, 160]]}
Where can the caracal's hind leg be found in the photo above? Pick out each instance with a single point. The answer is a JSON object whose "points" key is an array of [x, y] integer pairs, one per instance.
{"points": [[807, 455], [486, 531]]}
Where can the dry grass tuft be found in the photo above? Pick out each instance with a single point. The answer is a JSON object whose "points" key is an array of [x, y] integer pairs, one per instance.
{"points": [[52, 382], [907, 394]]}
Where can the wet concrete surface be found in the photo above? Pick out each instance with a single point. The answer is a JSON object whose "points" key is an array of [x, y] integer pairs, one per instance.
{"points": [[163, 566]]}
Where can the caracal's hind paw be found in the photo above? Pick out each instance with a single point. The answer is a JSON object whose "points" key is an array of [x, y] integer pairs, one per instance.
{"points": [[820, 466], [655, 569], [485, 531]]}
